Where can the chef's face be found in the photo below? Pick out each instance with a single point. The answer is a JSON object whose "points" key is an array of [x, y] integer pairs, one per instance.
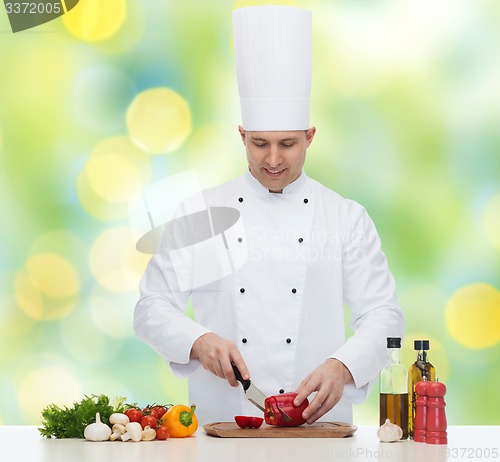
{"points": [[276, 158]]}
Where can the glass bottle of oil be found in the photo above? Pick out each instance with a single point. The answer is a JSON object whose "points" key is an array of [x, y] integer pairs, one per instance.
{"points": [[418, 370], [394, 388]]}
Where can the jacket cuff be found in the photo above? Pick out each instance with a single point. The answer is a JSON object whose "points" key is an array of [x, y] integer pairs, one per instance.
{"points": [[363, 368], [182, 371], [185, 369]]}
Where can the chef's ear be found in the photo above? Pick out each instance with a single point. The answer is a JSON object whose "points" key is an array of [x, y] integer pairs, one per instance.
{"points": [[243, 134], [310, 135]]}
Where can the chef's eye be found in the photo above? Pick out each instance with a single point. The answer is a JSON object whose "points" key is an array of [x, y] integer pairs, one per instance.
{"points": [[260, 145], [287, 145]]}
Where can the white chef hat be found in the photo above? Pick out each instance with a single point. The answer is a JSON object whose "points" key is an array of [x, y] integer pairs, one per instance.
{"points": [[272, 47]]}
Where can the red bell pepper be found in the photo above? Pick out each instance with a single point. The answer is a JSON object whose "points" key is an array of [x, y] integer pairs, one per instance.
{"points": [[245, 421], [284, 402]]}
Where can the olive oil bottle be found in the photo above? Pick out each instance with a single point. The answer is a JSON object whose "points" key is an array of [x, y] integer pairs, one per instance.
{"points": [[418, 370], [394, 388]]}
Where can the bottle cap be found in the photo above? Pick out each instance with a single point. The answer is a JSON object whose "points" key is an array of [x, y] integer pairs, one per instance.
{"points": [[421, 345], [393, 342]]}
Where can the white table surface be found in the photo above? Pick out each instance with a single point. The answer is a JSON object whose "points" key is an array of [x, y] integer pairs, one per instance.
{"points": [[24, 443]]}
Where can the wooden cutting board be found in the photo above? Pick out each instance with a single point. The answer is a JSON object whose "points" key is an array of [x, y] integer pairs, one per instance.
{"points": [[316, 430]]}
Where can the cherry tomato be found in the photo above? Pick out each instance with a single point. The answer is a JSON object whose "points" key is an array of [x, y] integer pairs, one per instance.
{"points": [[134, 414], [148, 421], [154, 413], [162, 433], [160, 410], [245, 421]]}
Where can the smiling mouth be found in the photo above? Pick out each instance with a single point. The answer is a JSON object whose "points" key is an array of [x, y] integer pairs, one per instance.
{"points": [[271, 172]]}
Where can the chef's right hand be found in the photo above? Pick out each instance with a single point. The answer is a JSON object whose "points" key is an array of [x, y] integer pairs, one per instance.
{"points": [[216, 355]]}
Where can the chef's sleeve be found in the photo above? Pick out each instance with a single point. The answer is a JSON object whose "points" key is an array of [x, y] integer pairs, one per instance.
{"points": [[370, 293], [159, 316]]}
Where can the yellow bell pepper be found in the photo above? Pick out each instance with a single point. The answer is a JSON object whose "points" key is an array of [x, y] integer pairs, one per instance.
{"points": [[180, 420]]}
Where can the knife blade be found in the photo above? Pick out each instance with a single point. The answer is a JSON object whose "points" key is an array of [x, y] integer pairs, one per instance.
{"points": [[253, 394]]}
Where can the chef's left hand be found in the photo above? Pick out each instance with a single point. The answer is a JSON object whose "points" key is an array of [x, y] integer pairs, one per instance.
{"points": [[328, 380]]}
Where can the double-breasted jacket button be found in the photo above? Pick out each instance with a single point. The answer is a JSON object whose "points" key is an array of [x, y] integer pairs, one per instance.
{"points": [[244, 340], [306, 200], [242, 290], [301, 240], [288, 340], [282, 391], [240, 239], [240, 199], [294, 290]]}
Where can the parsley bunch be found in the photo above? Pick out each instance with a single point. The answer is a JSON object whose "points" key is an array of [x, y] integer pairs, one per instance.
{"points": [[71, 422]]}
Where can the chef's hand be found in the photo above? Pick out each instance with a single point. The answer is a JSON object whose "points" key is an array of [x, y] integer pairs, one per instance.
{"points": [[328, 380], [216, 355]]}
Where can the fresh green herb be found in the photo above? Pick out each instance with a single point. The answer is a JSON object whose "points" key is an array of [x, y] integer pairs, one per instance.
{"points": [[70, 422]]}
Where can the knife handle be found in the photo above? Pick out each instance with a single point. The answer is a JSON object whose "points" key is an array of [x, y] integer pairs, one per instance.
{"points": [[239, 378]]}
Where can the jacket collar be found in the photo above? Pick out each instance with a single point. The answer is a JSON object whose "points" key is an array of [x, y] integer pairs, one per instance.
{"points": [[293, 188]]}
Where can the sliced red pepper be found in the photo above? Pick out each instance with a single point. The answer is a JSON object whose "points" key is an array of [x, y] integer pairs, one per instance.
{"points": [[284, 402], [245, 421]]}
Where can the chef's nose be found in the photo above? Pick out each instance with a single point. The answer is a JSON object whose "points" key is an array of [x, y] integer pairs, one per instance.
{"points": [[274, 156]]}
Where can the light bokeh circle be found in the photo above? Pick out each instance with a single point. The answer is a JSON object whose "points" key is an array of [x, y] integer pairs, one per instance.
{"points": [[28, 296], [112, 177], [43, 386], [83, 341], [246, 3], [47, 287], [473, 316], [158, 120], [96, 20], [38, 305], [115, 171], [491, 220], [53, 275], [13, 321], [112, 313], [115, 263]]}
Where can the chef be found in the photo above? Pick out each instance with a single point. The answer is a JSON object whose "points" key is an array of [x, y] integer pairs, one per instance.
{"points": [[279, 317]]}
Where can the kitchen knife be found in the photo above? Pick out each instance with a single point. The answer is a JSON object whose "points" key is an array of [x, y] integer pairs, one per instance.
{"points": [[253, 394]]}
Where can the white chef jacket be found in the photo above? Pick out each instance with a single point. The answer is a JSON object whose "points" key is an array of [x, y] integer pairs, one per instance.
{"points": [[310, 251]]}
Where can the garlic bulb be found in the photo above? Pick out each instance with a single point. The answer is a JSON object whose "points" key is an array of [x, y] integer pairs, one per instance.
{"points": [[97, 431], [389, 432]]}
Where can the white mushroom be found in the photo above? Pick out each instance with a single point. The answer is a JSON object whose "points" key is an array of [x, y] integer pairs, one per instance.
{"points": [[97, 431], [134, 432], [118, 431], [118, 418], [148, 434]]}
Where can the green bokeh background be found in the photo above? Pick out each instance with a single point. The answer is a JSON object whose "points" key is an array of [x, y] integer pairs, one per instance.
{"points": [[406, 100]]}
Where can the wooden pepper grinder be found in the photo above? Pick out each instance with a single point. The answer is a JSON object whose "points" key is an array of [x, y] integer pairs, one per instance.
{"points": [[420, 421], [436, 416]]}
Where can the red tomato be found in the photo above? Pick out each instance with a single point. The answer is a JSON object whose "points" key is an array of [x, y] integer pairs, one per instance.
{"points": [[162, 433], [154, 413], [148, 421], [133, 414], [160, 410], [245, 421]]}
